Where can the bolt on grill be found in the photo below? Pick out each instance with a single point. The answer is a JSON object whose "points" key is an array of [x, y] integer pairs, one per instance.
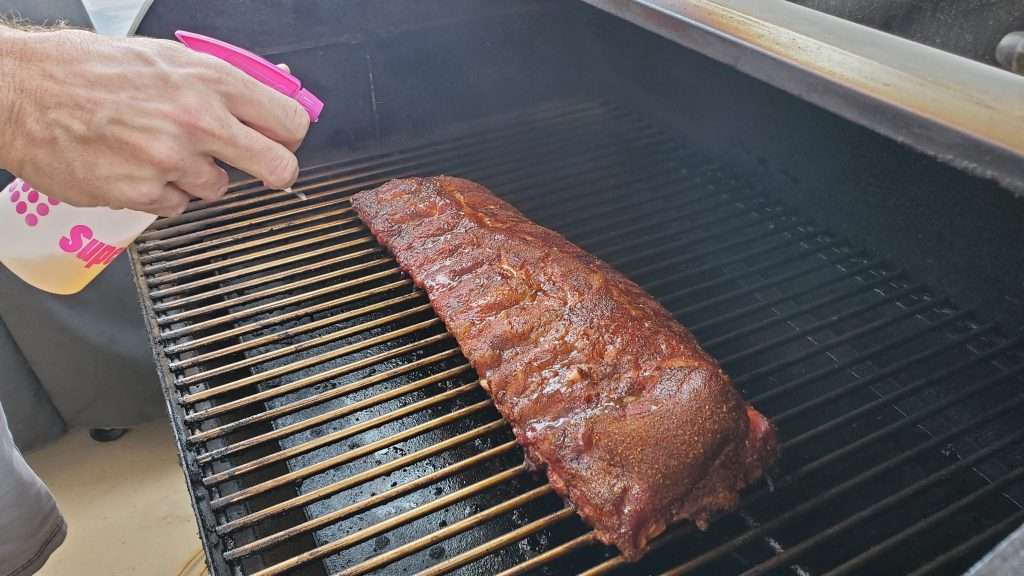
{"points": [[329, 425]]}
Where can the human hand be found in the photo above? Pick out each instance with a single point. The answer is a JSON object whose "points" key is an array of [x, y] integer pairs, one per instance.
{"points": [[137, 123]]}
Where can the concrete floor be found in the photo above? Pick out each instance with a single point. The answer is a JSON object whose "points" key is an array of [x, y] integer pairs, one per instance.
{"points": [[125, 503]]}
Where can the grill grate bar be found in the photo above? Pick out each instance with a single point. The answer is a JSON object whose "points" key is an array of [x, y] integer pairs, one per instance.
{"points": [[449, 531], [836, 319], [842, 339], [768, 265], [1002, 528], [887, 431], [798, 311], [312, 342], [926, 524], [860, 357], [787, 296], [295, 331], [889, 502], [268, 265], [322, 397], [168, 262], [348, 456], [154, 255], [340, 412], [245, 284], [290, 287], [357, 479], [586, 539], [498, 543], [363, 505], [218, 321], [221, 389], [312, 379], [898, 395], [343, 434], [405, 517], [196, 270]]}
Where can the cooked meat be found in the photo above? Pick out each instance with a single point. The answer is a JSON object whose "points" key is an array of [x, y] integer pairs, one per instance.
{"points": [[633, 421]]}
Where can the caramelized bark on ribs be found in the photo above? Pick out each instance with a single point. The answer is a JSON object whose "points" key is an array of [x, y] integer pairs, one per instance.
{"points": [[633, 421]]}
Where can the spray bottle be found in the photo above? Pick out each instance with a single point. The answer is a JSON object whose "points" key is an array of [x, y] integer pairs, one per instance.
{"points": [[60, 248]]}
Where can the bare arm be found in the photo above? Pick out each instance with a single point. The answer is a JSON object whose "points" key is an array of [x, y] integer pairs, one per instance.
{"points": [[136, 123]]}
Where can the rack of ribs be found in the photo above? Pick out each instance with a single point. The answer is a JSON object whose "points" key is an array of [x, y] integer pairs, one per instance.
{"points": [[634, 423]]}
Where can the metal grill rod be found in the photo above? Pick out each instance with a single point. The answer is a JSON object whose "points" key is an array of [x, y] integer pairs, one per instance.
{"points": [[196, 270], [159, 267], [839, 296], [764, 304], [838, 340], [312, 342], [363, 505], [348, 456], [456, 528], [792, 233], [930, 522], [224, 319], [498, 543], [676, 206], [893, 397], [338, 435], [769, 264], [296, 330], [1003, 527], [322, 397], [304, 362], [168, 261], [312, 379], [865, 356], [153, 254], [335, 414], [550, 555], [404, 518], [885, 504], [839, 318], [357, 479], [223, 277], [223, 288], [288, 287]]}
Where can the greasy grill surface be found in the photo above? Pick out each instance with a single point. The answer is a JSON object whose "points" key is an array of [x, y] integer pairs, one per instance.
{"points": [[329, 424]]}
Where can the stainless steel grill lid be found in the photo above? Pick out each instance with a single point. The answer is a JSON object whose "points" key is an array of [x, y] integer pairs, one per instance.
{"points": [[328, 423]]}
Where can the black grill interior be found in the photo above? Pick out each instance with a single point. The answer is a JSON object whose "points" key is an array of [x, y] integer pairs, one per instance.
{"points": [[280, 319]]}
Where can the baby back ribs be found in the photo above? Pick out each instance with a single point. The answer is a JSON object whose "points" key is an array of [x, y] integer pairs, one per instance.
{"points": [[636, 425]]}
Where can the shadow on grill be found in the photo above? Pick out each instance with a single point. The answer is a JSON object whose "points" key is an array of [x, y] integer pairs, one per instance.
{"points": [[332, 426]]}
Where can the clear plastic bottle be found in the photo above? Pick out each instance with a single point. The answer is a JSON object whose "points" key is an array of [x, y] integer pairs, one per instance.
{"points": [[57, 247]]}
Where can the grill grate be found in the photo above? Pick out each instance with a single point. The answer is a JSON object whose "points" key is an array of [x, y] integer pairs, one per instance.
{"points": [[330, 425]]}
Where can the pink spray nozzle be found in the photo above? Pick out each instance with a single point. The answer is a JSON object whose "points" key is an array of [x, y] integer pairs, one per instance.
{"points": [[257, 67]]}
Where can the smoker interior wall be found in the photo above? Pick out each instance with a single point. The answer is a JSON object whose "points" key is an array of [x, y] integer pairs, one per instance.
{"points": [[970, 28], [393, 71]]}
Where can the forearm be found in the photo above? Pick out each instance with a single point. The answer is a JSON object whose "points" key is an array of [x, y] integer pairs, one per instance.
{"points": [[16, 59]]}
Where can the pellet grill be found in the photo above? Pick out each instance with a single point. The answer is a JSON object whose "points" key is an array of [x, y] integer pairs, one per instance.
{"points": [[832, 210]]}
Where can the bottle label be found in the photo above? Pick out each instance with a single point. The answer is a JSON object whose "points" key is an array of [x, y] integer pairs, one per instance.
{"points": [[58, 247]]}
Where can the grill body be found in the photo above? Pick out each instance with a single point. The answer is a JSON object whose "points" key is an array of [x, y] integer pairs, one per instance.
{"points": [[860, 294]]}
